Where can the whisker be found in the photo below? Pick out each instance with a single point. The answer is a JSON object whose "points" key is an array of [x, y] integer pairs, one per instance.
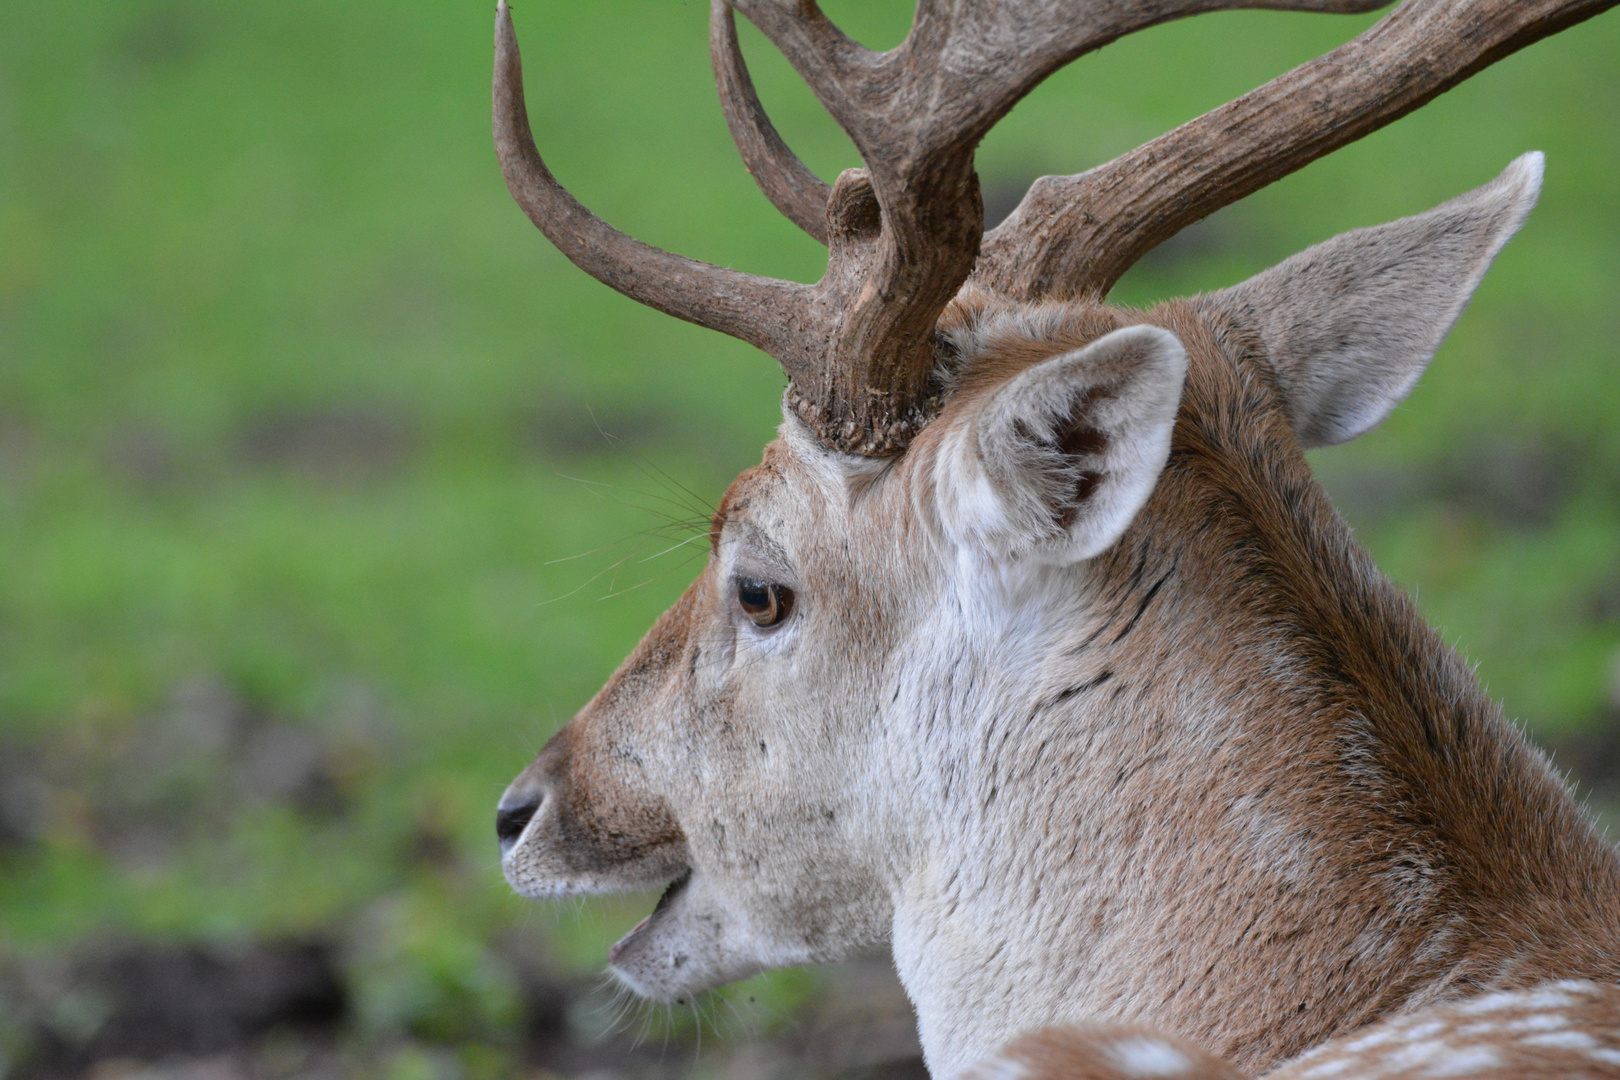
{"points": [[599, 488], [698, 503], [675, 547]]}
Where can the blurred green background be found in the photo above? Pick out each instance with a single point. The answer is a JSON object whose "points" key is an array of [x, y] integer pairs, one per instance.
{"points": [[328, 490]]}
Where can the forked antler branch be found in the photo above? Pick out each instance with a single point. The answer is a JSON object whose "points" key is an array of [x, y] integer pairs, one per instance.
{"points": [[904, 233], [1076, 235]]}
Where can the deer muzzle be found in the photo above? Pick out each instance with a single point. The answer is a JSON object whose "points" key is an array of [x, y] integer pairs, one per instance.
{"points": [[570, 825]]}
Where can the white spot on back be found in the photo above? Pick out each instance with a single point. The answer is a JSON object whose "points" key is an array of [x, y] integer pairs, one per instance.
{"points": [[1605, 1055], [1462, 1062], [1368, 1041], [1148, 1057], [1332, 1067], [1562, 1040], [1415, 1054], [1548, 998], [1577, 986], [1490, 1003], [1538, 1022], [1423, 1031], [1000, 1068]]}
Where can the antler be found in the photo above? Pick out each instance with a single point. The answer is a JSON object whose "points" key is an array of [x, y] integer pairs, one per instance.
{"points": [[758, 310], [1076, 235], [904, 233], [916, 115], [793, 189], [963, 66], [858, 364]]}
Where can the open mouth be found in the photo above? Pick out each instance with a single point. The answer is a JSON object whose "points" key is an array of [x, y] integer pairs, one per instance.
{"points": [[671, 893]]}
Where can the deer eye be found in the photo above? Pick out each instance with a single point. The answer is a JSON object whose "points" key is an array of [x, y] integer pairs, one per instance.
{"points": [[764, 602]]}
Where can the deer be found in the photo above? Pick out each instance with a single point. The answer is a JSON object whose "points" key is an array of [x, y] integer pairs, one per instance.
{"points": [[1031, 651]]}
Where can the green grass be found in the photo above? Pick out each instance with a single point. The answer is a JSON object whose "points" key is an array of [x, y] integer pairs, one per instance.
{"points": [[220, 221]]}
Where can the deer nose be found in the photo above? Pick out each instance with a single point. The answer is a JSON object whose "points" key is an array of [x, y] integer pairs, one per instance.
{"points": [[514, 812]]}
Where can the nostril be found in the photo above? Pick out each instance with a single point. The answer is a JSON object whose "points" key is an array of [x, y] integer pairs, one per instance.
{"points": [[511, 818]]}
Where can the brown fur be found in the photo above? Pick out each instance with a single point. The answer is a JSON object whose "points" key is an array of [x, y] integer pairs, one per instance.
{"points": [[1560, 1030], [1451, 839], [1453, 844]]}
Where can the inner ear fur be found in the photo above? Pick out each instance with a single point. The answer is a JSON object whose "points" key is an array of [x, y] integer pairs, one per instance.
{"points": [[1350, 324], [1069, 450]]}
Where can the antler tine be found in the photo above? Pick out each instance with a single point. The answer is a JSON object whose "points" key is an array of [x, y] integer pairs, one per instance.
{"points": [[793, 189], [1076, 235], [905, 233], [964, 64], [765, 312]]}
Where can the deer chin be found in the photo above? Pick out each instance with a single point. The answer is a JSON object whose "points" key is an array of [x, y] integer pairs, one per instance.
{"points": [[690, 943]]}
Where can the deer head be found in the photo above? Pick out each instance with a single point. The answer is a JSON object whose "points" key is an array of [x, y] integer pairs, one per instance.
{"points": [[1031, 649]]}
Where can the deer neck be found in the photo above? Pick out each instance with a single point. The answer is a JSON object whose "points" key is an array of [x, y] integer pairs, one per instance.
{"points": [[1226, 782]]}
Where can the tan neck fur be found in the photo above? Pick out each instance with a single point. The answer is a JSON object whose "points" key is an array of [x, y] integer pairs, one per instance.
{"points": [[1261, 801]]}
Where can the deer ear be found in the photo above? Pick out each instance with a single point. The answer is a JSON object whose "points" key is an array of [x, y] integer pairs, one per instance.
{"points": [[1351, 323], [1059, 459]]}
